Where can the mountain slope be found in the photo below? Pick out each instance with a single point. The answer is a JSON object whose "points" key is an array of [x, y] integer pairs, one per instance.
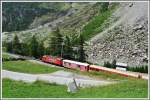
{"points": [[69, 23], [120, 33], [126, 39], [19, 15]]}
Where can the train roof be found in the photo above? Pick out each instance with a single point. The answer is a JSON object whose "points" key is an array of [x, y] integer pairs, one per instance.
{"points": [[75, 62], [121, 64], [54, 57]]}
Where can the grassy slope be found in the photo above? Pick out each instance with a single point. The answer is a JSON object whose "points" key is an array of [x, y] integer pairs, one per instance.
{"points": [[127, 89], [95, 25], [27, 67], [98, 75]]}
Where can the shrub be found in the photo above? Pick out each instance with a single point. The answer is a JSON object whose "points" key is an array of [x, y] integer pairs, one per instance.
{"points": [[107, 64], [142, 69], [114, 63], [110, 65]]}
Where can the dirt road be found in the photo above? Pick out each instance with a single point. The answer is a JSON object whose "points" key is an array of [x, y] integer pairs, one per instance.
{"points": [[56, 77]]}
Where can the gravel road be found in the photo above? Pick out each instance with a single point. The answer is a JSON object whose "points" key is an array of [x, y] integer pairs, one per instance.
{"points": [[54, 78]]}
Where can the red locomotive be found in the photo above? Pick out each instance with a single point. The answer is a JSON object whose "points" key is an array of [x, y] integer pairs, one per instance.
{"points": [[52, 60]]}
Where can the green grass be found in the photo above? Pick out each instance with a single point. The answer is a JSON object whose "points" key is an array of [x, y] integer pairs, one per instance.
{"points": [[127, 89], [27, 67], [94, 26], [141, 69], [99, 75]]}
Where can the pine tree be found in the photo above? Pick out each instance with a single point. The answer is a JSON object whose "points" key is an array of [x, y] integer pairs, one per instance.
{"points": [[41, 49], [16, 45], [9, 47], [82, 56], [55, 44], [34, 47], [68, 52], [25, 49], [113, 63]]}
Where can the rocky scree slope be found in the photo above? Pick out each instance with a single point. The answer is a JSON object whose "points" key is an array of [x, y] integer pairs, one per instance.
{"points": [[125, 39]]}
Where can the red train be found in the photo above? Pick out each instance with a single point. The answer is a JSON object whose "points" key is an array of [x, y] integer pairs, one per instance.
{"points": [[52, 60], [87, 67]]}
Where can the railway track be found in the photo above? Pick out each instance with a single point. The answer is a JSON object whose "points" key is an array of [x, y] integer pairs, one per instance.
{"points": [[112, 71]]}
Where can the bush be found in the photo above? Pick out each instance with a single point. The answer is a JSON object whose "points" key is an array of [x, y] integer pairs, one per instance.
{"points": [[113, 63], [107, 64], [142, 69], [110, 65]]}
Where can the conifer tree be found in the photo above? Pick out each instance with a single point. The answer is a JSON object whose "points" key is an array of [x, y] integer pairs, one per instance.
{"points": [[16, 45], [68, 52], [9, 47], [34, 47], [25, 49], [55, 44], [82, 56], [41, 49]]}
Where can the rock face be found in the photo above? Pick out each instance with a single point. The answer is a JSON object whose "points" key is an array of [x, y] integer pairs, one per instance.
{"points": [[125, 40]]}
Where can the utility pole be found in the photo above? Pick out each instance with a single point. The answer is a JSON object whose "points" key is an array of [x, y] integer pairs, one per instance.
{"points": [[12, 51], [62, 49]]}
